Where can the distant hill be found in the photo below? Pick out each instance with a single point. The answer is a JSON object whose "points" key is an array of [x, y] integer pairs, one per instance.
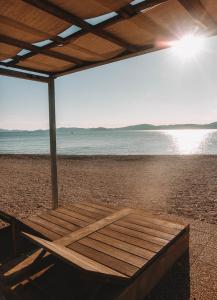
{"points": [[72, 130], [173, 126]]}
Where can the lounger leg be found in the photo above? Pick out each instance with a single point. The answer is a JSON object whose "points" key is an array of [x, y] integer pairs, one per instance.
{"points": [[14, 237]]}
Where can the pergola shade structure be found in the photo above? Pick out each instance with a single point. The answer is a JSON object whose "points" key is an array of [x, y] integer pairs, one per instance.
{"points": [[58, 37], [46, 39]]}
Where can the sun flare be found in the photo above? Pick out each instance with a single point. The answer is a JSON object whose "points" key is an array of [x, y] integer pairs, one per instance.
{"points": [[188, 47]]}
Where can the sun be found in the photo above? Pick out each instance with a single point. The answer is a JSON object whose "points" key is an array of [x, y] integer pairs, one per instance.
{"points": [[188, 47]]}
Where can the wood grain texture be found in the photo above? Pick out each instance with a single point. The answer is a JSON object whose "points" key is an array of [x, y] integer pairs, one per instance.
{"points": [[81, 233], [71, 256]]}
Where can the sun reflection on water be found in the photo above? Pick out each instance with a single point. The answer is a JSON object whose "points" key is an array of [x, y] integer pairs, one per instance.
{"points": [[189, 141]]}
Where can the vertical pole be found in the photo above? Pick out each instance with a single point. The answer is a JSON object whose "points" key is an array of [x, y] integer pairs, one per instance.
{"points": [[53, 156]]}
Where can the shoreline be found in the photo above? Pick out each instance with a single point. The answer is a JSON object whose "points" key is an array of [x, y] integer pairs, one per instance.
{"points": [[184, 185]]}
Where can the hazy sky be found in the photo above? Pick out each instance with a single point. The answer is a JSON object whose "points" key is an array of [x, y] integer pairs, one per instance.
{"points": [[155, 88]]}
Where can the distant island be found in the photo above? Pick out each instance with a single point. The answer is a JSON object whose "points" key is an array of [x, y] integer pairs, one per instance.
{"points": [[131, 127]]}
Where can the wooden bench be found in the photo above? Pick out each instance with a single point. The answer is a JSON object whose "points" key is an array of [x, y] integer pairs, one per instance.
{"points": [[125, 245]]}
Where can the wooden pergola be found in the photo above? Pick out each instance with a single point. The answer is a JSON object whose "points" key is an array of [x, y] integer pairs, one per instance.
{"points": [[41, 40]]}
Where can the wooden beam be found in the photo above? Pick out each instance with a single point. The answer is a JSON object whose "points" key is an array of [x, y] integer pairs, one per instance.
{"points": [[36, 49], [28, 69], [22, 75], [198, 12], [73, 19], [125, 55], [113, 20], [53, 156]]}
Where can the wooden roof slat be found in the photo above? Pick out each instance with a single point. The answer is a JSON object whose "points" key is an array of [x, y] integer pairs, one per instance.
{"points": [[26, 69], [198, 11], [22, 75], [58, 40], [125, 55], [36, 49], [73, 19], [106, 43]]}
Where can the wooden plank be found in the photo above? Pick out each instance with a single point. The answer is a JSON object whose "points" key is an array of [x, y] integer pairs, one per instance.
{"points": [[24, 45], [134, 260], [107, 260], [150, 231], [113, 20], [9, 270], [199, 13], [22, 75], [141, 286], [78, 215], [73, 19], [138, 234], [141, 214], [73, 257], [131, 240], [48, 225], [144, 253], [102, 207], [70, 217], [81, 233], [142, 222], [92, 209], [50, 235], [59, 222], [84, 212]]}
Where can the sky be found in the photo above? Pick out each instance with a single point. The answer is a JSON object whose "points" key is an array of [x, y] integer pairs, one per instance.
{"points": [[156, 88]]}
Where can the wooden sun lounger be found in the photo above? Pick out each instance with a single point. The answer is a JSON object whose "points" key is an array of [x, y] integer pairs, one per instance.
{"points": [[125, 245]]}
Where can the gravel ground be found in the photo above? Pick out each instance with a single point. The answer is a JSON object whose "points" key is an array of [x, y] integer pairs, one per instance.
{"points": [[181, 185]]}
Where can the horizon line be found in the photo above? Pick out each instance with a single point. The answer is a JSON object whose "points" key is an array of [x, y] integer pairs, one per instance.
{"points": [[105, 127]]}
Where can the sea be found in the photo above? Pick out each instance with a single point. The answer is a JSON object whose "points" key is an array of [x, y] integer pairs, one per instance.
{"points": [[112, 142]]}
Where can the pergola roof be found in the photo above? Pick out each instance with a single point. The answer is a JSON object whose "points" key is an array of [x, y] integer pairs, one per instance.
{"points": [[58, 37]]}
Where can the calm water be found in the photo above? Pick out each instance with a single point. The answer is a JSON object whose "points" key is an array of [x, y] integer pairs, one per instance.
{"points": [[113, 142]]}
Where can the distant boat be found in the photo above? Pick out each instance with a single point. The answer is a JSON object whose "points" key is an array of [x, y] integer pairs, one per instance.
{"points": [[72, 132]]}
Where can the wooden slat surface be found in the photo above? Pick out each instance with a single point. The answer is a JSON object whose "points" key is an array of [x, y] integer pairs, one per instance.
{"points": [[138, 234], [85, 212], [144, 223], [62, 223], [147, 230], [130, 239], [50, 235], [107, 260], [122, 245], [113, 241], [73, 257], [79, 234], [67, 215], [142, 215], [114, 252], [102, 207], [50, 226]]}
